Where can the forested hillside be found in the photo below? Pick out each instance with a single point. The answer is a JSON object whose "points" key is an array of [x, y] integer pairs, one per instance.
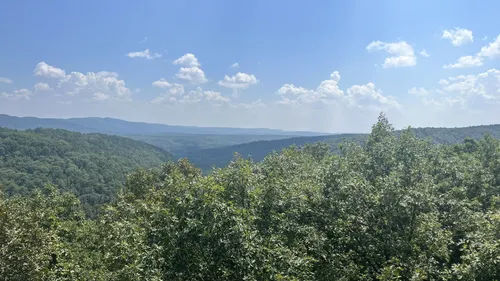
{"points": [[392, 208], [91, 166], [221, 156], [125, 128], [188, 144], [206, 159]]}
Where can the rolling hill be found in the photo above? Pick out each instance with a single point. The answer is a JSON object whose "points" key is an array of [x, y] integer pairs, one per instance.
{"points": [[221, 156], [185, 144], [125, 128], [92, 166]]}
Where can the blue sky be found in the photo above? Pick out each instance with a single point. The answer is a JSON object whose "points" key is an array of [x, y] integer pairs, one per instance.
{"points": [[318, 65]]}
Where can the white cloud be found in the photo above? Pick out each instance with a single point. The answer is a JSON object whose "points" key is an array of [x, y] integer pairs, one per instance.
{"points": [[424, 53], [368, 96], [190, 70], [45, 70], [492, 50], [239, 81], [215, 96], [421, 92], [144, 54], [290, 89], [91, 84], [187, 60], [476, 92], [330, 88], [235, 65], [176, 94], [328, 92], [443, 82], [144, 40], [108, 74], [41, 87], [97, 86], [465, 62], [162, 83], [458, 36], [174, 89], [100, 96], [192, 74], [5, 80], [403, 54], [21, 94]]}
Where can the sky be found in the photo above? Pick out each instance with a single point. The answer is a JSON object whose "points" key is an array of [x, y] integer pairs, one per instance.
{"points": [[329, 66]]}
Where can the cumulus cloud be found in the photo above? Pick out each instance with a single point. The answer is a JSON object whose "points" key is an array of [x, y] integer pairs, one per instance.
{"points": [[77, 83], [239, 81], [368, 96], [107, 74], [465, 62], [328, 92], [190, 70], [44, 70], [188, 59], [290, 89], [491, 51], [458, 36], [403, 54], [97, 86], [146, 54], [21, 94], [215, 96], [176, 94], [466, 91], [162, 83], [174, 89], [235, 65], [41, 87], [192, 74], [5, 80]]}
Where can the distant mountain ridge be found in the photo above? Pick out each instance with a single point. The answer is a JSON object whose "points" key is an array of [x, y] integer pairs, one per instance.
{"points": [[257, 150], [124, 128]]}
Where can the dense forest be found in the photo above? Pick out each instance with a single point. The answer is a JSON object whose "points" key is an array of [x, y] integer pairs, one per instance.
{"points": [[91, 166], [392, 207], [257, 150]]}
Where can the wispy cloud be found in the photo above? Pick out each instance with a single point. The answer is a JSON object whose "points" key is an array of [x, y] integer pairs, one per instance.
{"points": [[144, 54], [5, 80]]}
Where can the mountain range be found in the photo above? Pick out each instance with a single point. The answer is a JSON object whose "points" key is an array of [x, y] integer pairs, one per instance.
{"points": [[207, 147], [122, 127]]}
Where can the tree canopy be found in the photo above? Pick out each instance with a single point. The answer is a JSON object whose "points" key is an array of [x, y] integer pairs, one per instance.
{"points": [[92, 166], [395, 207]]}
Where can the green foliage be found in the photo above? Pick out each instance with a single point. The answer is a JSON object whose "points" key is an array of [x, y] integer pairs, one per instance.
{"points": [[395, 207], [206, 158], [92, 166]]}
